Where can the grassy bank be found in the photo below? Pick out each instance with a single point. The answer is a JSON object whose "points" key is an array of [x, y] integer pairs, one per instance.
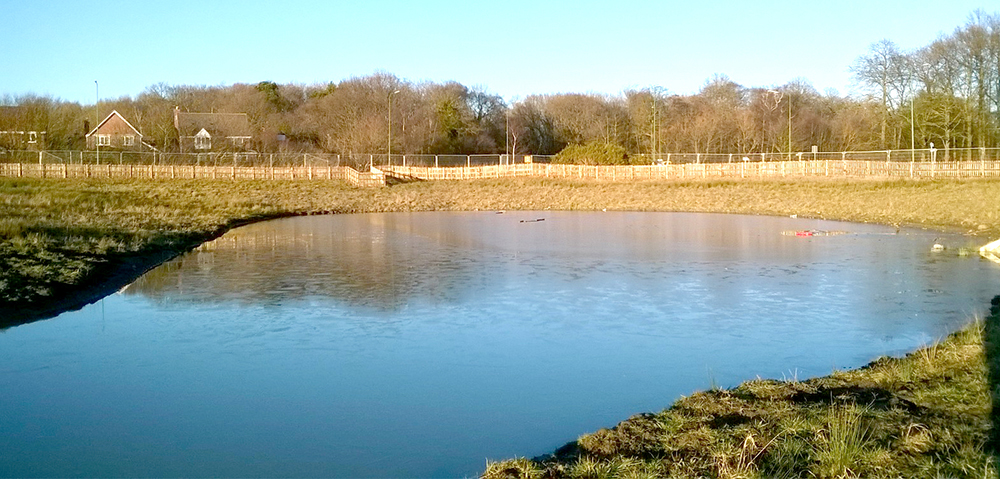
{"points": [[927, 415], [61, 239]]}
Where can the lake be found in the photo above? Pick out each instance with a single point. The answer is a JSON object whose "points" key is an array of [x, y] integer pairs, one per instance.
{"points": [[423, 344]]}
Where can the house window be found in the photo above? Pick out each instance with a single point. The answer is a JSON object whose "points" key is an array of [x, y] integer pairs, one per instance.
{"points": [[104, 140], [203, 140], [32, 137], [128, 140]]}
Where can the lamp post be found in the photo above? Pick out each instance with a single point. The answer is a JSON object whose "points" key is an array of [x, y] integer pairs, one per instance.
{"points": [[789, 127], [655, 91], [913, 143], [389, 156], [777, 96], [97, 119], [506, 133]]}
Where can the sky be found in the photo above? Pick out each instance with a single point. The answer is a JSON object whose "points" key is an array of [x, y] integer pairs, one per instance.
{"points": [[512, 48]]}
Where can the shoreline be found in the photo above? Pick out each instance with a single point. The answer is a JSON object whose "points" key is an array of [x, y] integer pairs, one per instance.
{"points": [[116, 273], [121, 270]]}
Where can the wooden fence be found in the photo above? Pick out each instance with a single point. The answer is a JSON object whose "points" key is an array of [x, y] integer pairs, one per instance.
{"points": [[377, 177], [63, 170], [738, 169]]}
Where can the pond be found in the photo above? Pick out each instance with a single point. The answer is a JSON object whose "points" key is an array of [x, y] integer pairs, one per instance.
{"points": [[423, 344]]}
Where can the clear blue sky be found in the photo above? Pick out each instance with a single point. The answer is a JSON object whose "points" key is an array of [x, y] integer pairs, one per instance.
{"points": [[513, 48]]}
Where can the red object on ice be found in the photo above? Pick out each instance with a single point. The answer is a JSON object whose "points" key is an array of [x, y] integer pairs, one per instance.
{"points": [[803, 233]]}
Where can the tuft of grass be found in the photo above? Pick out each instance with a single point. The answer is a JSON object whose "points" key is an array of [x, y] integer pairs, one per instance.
{"points": [[844, 448], [519, 468]]}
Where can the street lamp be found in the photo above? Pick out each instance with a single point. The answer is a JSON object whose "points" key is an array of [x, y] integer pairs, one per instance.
{"points": [[389, 156], [913, 143], [655, 91], [97, 119], [789, 127], [506, 133], [777, 96]]}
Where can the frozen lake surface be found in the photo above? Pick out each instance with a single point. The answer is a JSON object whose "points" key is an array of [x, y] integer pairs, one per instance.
{"points": [[423, 344]]}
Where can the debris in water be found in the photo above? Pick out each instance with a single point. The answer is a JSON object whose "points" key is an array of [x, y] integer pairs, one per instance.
{"points": [[533, 221], [806, 233]]}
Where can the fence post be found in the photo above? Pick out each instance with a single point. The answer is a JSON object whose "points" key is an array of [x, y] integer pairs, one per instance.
{"points": [[468, 161], [933, 161], [435, 161]]}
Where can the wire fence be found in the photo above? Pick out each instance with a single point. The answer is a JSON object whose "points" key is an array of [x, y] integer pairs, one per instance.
{"points": [[366, 161], [825, 168], [251, 159], [916, 155]]}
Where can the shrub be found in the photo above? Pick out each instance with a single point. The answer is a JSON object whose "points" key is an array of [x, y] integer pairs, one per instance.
{"points": [[593, 153]]}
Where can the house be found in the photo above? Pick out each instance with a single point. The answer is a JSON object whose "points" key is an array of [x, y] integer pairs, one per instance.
{"points": [[22, 128], [201, 132], [115, 132]]}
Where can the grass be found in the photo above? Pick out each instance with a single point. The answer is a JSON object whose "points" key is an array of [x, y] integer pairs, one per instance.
{"points": [[57, 234], [926, 415]]}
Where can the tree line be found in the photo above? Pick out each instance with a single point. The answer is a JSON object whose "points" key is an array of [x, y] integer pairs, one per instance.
{"points": [[946, 93]]}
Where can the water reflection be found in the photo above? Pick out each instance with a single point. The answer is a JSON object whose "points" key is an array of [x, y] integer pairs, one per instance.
{"points": [[417, 345], [708, 263]]}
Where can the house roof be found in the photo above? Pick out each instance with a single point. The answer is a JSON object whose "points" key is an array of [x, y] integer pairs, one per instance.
{"points": [[216, 124], [113, 114]]}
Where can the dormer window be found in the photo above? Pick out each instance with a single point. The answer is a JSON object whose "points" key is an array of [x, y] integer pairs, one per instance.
{"points": [[202, 140]]}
